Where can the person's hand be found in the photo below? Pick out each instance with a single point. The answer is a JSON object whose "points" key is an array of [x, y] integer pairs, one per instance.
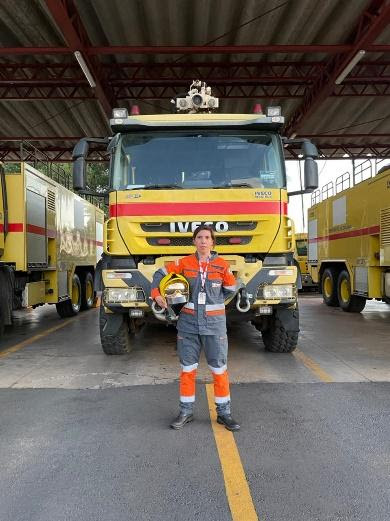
{"points": [[161, 302]]}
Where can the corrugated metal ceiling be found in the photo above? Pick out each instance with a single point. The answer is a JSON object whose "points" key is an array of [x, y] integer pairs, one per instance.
{"points": [[25, 23]]}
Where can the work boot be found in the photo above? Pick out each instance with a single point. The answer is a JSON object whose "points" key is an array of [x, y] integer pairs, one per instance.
{"points": [[181, 420], [227, 420]]}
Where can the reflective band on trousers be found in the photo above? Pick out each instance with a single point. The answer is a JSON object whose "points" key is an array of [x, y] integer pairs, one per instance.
{"points": [[221, 384], [187, 384]]}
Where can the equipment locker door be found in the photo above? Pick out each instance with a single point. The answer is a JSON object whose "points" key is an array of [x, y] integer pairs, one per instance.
{"points": [[36, 230]]}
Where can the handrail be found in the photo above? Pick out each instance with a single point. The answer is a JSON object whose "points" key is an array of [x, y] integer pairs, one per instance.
{"points": [[341, 180]]}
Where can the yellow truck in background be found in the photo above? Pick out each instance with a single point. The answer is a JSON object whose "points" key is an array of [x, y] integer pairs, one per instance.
{"points": [[170, 173], [301, 258], [50, 242], [349, 238]]}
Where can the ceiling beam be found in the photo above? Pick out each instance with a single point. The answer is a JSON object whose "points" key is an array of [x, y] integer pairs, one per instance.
{"points": [[69, 23], [180, 49], [370, 25]]}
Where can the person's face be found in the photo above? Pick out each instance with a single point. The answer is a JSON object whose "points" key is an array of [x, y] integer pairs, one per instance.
{"points": [[203, 242]]}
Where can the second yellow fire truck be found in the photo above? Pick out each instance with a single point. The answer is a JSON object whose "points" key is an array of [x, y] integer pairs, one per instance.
{"points": [[301, 257], [349, 239], [50, 242], [170, 173]]}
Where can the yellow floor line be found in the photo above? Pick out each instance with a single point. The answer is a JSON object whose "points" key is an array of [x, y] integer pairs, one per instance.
{"points": [[236, 485], [34, 338], [313, 366]]}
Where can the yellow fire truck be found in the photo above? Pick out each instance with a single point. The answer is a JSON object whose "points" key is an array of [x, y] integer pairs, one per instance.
{"points": [[301, 257], [169, 174], [50, 242], [349, 239]]}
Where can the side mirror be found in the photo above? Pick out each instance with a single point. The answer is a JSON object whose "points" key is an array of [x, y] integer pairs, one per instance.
{"points": [[79, 174], [81, 149], [79, 154], [311, 174], [309, 149]]}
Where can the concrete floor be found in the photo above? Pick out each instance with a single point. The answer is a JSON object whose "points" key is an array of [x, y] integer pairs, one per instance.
{"points": [[348, 347], [84, 436]]}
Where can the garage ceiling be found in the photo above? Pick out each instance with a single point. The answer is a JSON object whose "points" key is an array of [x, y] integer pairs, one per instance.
{"points": [[143, 52]]}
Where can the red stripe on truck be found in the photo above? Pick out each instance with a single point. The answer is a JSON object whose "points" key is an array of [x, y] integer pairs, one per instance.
{"points": [[371, 230], [201, 208], [12, 227]]}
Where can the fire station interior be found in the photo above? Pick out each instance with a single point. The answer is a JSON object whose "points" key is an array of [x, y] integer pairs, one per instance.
{"points": [[85, 431]]}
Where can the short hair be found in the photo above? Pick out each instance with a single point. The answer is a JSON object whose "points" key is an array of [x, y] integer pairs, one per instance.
{"points": [[204, 227]]}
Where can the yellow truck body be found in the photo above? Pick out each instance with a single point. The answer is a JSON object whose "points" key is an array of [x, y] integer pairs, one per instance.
{"points": [[300, 254], [349, 242], [171, 173], [50, 242]]}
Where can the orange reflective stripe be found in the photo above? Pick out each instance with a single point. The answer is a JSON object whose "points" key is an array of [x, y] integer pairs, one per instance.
{"points": [[188, 311], [221, 385], [214, 275], [187, 383], [215, 312], [190, 274]]}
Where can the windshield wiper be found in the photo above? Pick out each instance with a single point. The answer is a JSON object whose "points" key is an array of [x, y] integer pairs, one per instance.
{"points": [[153, 187], [160, 187], [235, 185]]}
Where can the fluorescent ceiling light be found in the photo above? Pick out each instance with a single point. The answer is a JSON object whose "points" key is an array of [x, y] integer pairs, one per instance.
{"points": [[84, 68], [347, 69]]}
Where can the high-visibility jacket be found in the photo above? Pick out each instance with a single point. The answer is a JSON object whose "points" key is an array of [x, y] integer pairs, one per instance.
{"points": [[208, 318]]}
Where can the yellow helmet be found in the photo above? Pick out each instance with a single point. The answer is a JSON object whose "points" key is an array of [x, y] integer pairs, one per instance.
{"points": [[175, 289]]}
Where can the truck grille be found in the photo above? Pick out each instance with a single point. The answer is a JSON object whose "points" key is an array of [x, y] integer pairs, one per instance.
{"points": [[187, 241], [234, 226]]}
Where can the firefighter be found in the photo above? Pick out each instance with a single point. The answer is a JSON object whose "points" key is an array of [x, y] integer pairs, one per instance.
{"points": [[202, 324]]}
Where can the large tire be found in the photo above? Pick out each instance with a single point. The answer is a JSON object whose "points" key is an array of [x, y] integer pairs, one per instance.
{"points": [[114, 333], [329, 287], [87, 291], [277, 338], [348, 302], [70, 307]]}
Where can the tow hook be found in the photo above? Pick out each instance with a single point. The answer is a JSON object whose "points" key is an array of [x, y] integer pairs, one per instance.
{"points": [[165, 315], [243, 304], [158, 312]]}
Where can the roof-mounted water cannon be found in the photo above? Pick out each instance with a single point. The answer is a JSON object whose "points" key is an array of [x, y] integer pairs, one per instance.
{"points": [[198, 99]]}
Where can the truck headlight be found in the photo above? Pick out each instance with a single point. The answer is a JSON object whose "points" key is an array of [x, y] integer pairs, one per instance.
{"points": [[277, 291], [123, 295]]}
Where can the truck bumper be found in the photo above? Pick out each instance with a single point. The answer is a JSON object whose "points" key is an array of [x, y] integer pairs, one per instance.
{"points": [[266, 288]]}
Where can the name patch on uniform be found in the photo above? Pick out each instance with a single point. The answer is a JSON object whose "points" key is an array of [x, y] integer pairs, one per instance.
{"points": [[216, 284]]}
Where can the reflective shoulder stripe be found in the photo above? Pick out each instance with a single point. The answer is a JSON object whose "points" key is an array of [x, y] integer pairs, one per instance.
{"points": [[231, 288], [189, 305]]}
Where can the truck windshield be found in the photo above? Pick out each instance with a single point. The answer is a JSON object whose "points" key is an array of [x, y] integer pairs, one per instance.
{"points": [[197, 160]]}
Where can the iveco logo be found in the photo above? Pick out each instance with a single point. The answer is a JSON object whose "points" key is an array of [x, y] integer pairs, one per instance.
{"points": [[184, 227]]}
